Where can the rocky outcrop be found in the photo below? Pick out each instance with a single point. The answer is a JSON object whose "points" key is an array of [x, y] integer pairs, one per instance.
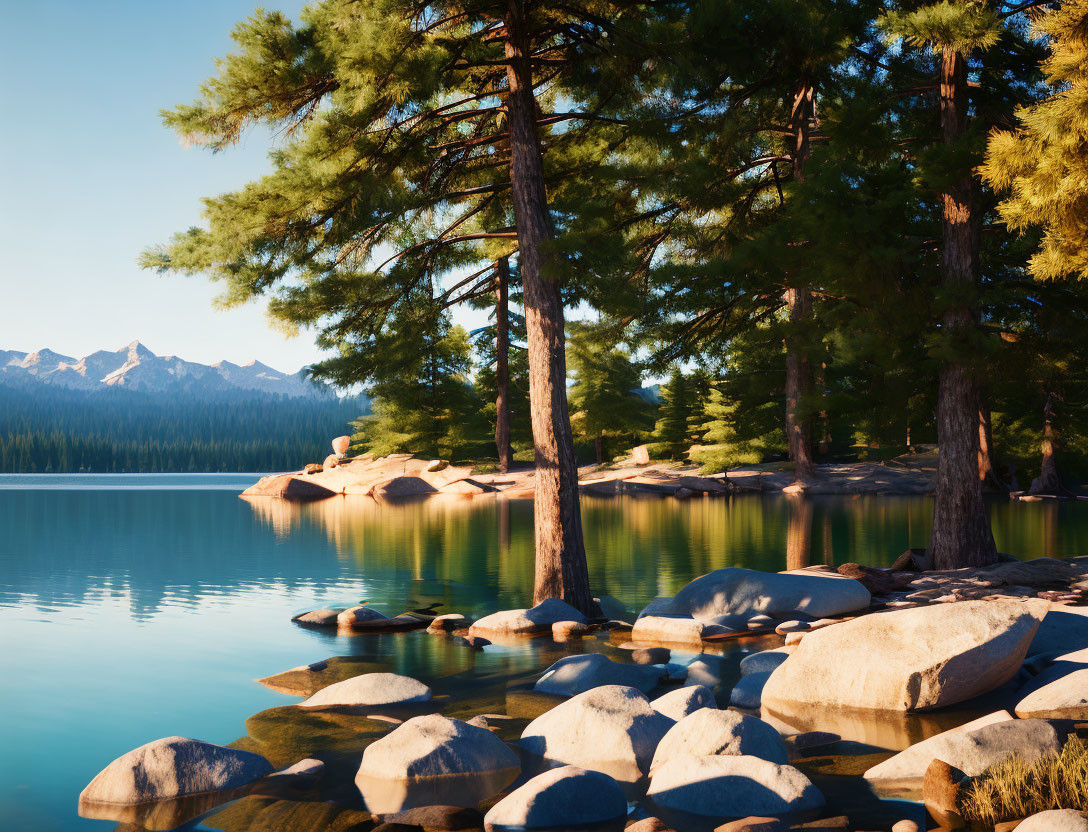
{"points": [[572, 675], [747, 592], [732, 787], [538, 619], [909, 660], [566, 797], [174, 767], [711, 732], [972, 747], [289, 487], [370, 690], [433, 760], [358, 615], [612, 729], [679, 703]]}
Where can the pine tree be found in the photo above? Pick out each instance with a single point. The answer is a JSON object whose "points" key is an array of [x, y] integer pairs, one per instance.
{"points": [[604, 396], [672, 429]]}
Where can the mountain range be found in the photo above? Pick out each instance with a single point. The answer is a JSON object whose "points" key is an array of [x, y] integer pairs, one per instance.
{"points": [[138, 369]]}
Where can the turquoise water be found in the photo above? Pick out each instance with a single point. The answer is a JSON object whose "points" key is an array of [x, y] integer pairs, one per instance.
{"points": [[134, 607]]}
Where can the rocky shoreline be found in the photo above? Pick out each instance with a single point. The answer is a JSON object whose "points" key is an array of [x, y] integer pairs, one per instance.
{"points": [[854, 689]]}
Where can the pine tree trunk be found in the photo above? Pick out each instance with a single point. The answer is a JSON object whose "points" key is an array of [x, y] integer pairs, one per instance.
{"points": [[502, 363], [799, 303], [961, 529], [1049, 481], [987, 475], [799, 533], [561, 570]]}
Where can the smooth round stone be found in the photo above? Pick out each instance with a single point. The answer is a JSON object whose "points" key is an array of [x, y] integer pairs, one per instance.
{"points": [[563, 797], [572, 675], [1055, 820], [563, 630], [706, 670], [711, 732], [370, 689], [173, 767], [319, 618], [651, 655], [747, 693], [763, 662], [729, 787], [682, 702], [433, 760], [447, 623], [360, 614], [792, 627], [905, 825]]}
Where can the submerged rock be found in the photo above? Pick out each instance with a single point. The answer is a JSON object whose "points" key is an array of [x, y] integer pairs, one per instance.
{"points": [[572, 675], [711, 732], [174, 767], [434, 760], [682, 702], [308, 679], [370, 689], [612, 729], [359, 615], [972, 747], [319, 618], [538, 619], [566, 797], [908, 660], [749, 592], [732, 787]]}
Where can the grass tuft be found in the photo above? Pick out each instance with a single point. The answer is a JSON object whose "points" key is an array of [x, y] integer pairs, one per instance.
{"points": [[1015, 789]]}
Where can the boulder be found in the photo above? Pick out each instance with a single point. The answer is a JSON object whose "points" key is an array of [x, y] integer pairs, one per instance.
{"points": [[748, 592], [747, 693], [909, 660], [358, 615], [340, 445], [972, 747], [448, 622], [572, 675], [331, 461], [538, 619], [1055, 820], [942, 793], [566, 797], [651, 655], [370, 690], [673, 629], [288, 487], [319, 618], [173, 767], [564, 630], [640, 455], [711, 732], [732, 787], [1064, 698], [705, 670], [612, 729], [765, 661], [612, 607], [401, 487], [433, 760], [437, 465], [679, 703], [312, 468]]}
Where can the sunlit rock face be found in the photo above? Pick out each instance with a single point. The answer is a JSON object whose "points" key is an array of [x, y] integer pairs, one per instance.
{"points": [[908, 660], [711, 732], [174, 767], [433, 760], [612, 729], [748, 592]]}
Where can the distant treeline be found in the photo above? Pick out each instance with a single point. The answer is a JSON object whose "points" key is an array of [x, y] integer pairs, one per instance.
{"points": [[50, 429]]}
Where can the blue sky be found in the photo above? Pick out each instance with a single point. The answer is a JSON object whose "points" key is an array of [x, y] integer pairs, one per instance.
{"points": [[89, 177]]}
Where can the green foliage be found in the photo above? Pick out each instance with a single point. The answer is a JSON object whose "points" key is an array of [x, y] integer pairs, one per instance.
{"points": [[959, 25], [604, 400], [1043, 165], [725, 447], [423, 401], [1016, 789]]}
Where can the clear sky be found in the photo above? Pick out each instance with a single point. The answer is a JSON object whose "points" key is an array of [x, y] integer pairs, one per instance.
{"points": [[89, 177]]}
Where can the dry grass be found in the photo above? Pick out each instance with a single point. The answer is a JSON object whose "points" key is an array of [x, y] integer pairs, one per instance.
{"points": [[1015, 789]]}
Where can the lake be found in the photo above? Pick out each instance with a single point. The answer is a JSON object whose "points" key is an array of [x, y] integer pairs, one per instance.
{"points": [[134, 607]]}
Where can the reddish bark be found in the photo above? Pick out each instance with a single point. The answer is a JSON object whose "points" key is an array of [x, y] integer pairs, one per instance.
{"points": [[502, 363]]}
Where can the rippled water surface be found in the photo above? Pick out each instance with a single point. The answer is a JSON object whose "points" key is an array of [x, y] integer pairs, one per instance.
{"points": [[137, 607]]}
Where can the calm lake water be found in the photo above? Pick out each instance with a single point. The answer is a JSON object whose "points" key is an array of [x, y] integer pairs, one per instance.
{"points": [[134, 607]]}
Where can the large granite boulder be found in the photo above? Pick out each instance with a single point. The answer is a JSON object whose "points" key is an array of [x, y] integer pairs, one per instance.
{"points": [[710, 732], [566, 797], [1055, 820], [612, 729], [538, 619], [572, 675], [1066, 697], [288, 487], [972, 747], [174, 767], [908, 660], [433, 760], [370, 690], [732, 787], [748, 592], [682, 702], [765, 661]]}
